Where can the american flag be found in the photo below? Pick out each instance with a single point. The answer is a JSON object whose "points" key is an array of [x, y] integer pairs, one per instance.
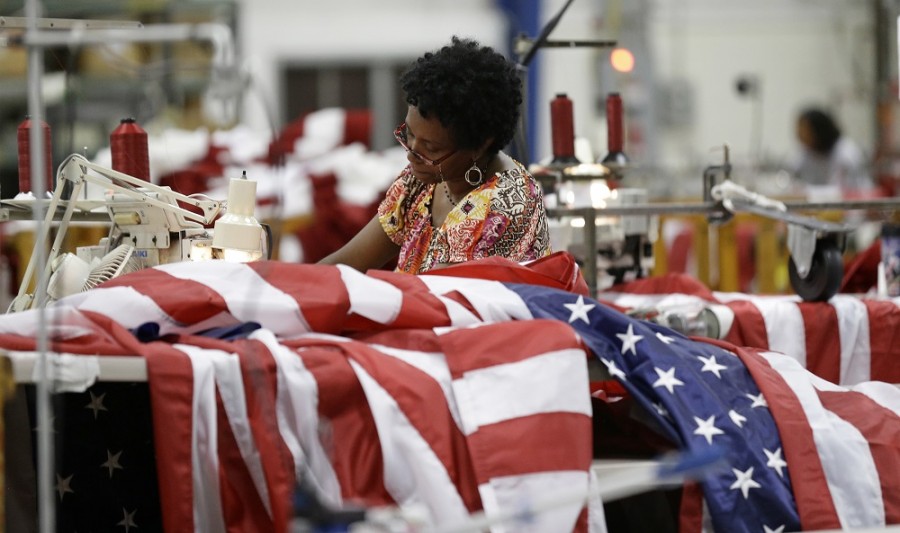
{"points": [[846, 340], [453, 395]]}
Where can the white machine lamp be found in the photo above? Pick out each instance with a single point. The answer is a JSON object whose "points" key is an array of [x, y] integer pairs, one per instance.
{"points": [[238, 235]]}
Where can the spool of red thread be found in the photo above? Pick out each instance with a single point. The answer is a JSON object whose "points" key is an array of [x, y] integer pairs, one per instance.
{"points": [[614, 122], [616, 157], [24, 145], [562, 129], [130, 154]]}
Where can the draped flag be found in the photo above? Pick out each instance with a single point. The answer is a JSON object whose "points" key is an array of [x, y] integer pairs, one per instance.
{"points": [[453, 395], [847, 340]]}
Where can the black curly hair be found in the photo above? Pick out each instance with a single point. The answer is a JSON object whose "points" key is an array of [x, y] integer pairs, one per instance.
{"points": [[825, 130], [473, 91]]}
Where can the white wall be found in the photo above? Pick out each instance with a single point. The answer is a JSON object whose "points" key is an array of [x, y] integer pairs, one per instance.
{"points": [[276, 31], [802, 51]]}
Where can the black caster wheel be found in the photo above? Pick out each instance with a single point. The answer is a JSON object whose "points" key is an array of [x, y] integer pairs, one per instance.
{"points": [[825, 274]]}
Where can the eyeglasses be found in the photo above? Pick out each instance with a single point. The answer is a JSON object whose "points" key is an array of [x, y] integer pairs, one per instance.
{"points": [[400, 135]]}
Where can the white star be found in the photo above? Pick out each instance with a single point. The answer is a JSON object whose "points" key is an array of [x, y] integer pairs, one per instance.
{"points": [[112, 463], [744, 481], [767, 529], [96, 404], [63, 485], [758, 400], [710, 365], [707, 428], [775, 461], [667, 379], [629, 340], [579, 310], [737, 418], [665, 338], [127, 520], [614, 370]]}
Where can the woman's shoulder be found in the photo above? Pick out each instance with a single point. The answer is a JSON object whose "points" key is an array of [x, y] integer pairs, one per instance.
{"points": [[517, 181]]}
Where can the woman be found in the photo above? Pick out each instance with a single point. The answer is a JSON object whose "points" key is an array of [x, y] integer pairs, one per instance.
{"points": [[829, 158], [460, 197]]}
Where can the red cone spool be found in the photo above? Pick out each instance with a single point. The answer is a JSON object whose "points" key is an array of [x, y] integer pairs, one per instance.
{"points": [[24, 148], [614, 122], [130, 154], [562, 128]]}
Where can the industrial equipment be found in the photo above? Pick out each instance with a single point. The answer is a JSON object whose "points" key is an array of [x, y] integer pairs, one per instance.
{"points": [[149, 227]]}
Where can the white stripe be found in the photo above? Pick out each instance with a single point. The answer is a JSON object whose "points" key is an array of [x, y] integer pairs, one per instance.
{"points": [[125, 305], [519, 494], [432, 363], [249, 297], [371, 298], [297, 414], [784, 326], [847, 462], [596, 513], [493, 301], [884, 394], [230, 384], [208, 515], [61, 323], [853, 325], [638, 301], [130, 309], [413, 474], [512, 390]]}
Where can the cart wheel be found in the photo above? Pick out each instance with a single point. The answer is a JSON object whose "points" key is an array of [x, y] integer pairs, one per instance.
{"points": [[825, 274]]}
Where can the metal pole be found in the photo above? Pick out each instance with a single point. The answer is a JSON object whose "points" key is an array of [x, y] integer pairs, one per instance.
{"points": [[590, 261], [45, 467]]}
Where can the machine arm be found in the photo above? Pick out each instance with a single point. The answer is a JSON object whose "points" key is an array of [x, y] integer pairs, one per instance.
{"points": [[79, 171]]}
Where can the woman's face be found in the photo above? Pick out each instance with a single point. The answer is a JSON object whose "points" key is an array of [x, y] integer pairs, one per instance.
{"points": [[805, 134], [429, 138]]}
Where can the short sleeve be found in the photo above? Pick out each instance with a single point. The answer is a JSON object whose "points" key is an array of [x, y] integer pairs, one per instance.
{"points": [[394, 210]]}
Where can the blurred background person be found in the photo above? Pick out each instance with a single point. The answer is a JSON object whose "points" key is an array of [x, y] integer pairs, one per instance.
{"points": [[830, 161]]}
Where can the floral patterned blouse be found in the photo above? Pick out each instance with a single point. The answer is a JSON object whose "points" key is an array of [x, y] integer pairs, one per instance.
{"points": [[504, 216]]}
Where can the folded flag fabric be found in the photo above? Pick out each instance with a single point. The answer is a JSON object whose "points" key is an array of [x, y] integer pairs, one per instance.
{"points": [[454, 395], [847, 340]]}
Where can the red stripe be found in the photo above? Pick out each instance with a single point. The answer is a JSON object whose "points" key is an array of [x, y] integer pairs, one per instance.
{"points": [[884, 339], [582, 525], [411, 389], [101, 335], [546, 442], [171, 383], [504, 343], [318, 290], [749, 327], [670, 283], [184, 300], [691, 513], [558, 270], [881, 429], [349, 431], [259, 373], [420, 307], [816, 511], [823, 351], [242, 508]]}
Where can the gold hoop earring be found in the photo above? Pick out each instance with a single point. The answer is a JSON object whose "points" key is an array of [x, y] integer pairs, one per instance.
{"points": [[477, 181]]}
